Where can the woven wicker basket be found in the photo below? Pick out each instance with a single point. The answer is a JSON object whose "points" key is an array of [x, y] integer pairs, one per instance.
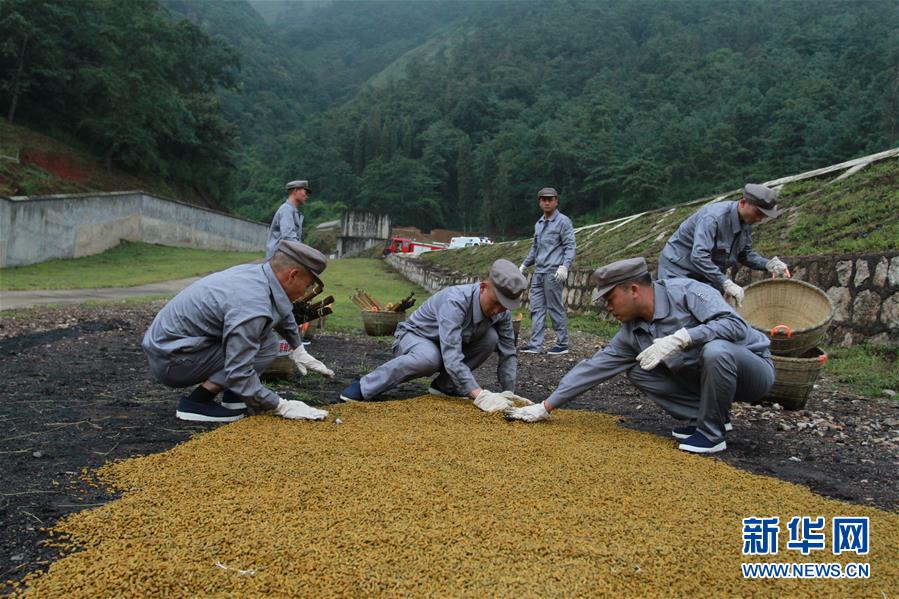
{"points": [[795, 315], [795, 378], [378, 324], [315, 326]]}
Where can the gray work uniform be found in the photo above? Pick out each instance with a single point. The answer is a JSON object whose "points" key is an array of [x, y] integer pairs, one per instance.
{"points": [[448, 334], [707, 244], [553, 246], [220, 328], [286, 224], [728, 360]]}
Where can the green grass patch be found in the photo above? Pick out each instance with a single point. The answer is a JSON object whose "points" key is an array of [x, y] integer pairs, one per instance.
{"points": [[126, 265], [867, 369], [343, 277]]}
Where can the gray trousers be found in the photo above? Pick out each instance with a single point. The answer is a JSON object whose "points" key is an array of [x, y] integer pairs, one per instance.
{"points": [[546, 295], [417, 356], [185, 369], [727, 373]]}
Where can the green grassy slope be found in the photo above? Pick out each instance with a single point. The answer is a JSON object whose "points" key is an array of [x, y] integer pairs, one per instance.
{"points": [[35, 164], [857, 214]]}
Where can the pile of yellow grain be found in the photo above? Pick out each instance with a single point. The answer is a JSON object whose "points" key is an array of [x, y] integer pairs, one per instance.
{"points": [[431, 497]]}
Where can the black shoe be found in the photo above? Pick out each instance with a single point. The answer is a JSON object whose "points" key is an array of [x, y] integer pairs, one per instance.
{"points": [[436, 389], [233, 401], [196, 411], [557, 350]]}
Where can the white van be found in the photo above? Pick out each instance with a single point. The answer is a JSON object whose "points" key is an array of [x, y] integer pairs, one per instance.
{"points": [[464, 242]]}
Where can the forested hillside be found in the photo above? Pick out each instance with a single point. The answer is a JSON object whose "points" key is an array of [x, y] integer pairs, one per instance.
{"points": [[452, 114]]}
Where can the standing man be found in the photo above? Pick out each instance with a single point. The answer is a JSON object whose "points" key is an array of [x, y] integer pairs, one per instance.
{"points": [[218, 333], [288, 221], [552, 250], [452, 334], [681, 344], [718, 236]]}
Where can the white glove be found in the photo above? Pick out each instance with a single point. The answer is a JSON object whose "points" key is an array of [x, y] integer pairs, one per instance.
{"points": [[663, 348], [532, 413], [561, 274], [492, 402], [522, 268], [304, 360], [733, 291], [518, 400], [778, 268], [297, 410]]}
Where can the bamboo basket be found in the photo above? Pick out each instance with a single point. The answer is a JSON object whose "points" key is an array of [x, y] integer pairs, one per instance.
{"points": [[794, 314], [315, 326], [795, 378], [378, 324]]}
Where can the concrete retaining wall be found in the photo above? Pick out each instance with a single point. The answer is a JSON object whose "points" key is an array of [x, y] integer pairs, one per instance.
{"points": [[863, 287], [360, 230], [36, 229]]}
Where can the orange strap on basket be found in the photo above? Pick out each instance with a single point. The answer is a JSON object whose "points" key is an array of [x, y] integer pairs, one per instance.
{"points": [[781, 328], [822, 360]]}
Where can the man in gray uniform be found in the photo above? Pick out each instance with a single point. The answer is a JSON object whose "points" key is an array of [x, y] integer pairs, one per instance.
{"points": [[453, 333], [680, 343], [288, 221], [218, 332], [552, 250], [718, 236]]}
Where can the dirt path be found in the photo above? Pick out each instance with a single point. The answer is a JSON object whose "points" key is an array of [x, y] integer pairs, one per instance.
{"points": [[76, 393], [13, 300]]}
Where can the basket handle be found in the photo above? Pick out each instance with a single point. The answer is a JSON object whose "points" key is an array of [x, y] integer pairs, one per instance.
{"points": [[822, 360], [781, 328]]}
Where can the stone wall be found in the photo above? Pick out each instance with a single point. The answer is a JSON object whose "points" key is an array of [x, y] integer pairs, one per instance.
{"points": [[863, 287], [360, 230], [36, 229]]}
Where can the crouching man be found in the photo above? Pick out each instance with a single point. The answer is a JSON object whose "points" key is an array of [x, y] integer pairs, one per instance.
{"points": [[220, 333], [681, 344], [453, 333]]}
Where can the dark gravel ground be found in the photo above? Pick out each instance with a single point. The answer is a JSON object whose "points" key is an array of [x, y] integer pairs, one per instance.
{"points": [[76, 393]]}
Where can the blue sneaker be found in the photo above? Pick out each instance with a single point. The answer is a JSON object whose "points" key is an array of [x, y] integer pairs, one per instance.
{"points": [[529, 350], [697, 443], [353, 392], [682, 432], [557, 350], [197, 411], [233, 401]]}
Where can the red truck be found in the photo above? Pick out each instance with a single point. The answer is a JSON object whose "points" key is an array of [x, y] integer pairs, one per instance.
{"points": [[404, 245]]}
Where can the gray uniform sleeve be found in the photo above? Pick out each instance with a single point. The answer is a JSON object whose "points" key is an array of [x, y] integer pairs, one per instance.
{"points": [[569, 243], [532, 254], [751, 258], [613, 359], [241, 346], [288, 226], [450, 317], [289, 329], [701, 254], [717, 319], [507, 369]]}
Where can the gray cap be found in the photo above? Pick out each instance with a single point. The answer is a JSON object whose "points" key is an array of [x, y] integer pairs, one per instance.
{"points": [[547, 191], [307, 256], [299, 184], [607, 277], [763, 198], [508, 282]]}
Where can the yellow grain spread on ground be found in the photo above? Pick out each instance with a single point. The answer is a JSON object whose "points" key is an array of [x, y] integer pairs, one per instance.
{"points": [[431, 497]]}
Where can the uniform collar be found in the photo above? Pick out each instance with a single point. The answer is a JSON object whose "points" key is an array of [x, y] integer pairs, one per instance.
{"points": [[476, 314], [294, 208], [544, 219], [662, 307], [283, 305], [735, 223]]}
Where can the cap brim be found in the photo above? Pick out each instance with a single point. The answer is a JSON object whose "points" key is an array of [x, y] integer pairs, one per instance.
{"points": [[770, 212], [600, 292], [508, 302]]}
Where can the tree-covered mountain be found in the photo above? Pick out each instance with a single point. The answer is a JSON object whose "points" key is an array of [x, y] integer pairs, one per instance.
{"points": [[452, 114]]}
